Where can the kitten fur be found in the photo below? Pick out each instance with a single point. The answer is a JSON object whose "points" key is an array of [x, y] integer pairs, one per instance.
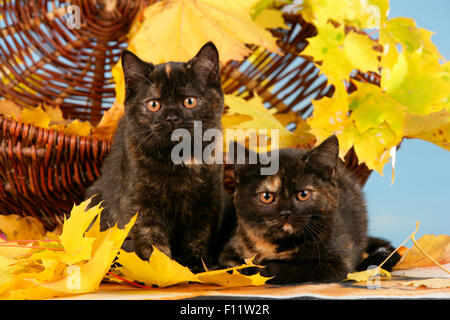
{"points": [[180, 206], [320, 239]]}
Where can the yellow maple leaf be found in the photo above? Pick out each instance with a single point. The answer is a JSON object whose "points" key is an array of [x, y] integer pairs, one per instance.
{"points": [[79, 128], [7, 270], [160, 270], [330, 116], [362, 14], [417, 82], [437, 247], [189, 25], [77, 246], [10, 108], [403, 31], [253, 118], [365, 275], [57, 267], [88, 276], [108, 124], [55, 113], [433, 127], [441, 248], [434, 283], [224, 278], [16, 227], [373, 146], [341, 53], [373, 128], [271, 19], [35, 116]]}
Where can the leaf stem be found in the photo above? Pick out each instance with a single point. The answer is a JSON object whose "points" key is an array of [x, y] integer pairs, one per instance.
{"points": [[129, 282], [31, 247], [45, 240], [428, 256], [410, 236]]}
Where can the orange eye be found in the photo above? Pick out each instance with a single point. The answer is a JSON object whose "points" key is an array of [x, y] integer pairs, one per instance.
{"points": [[153, 105], [190, 102], [304, 195], [266, 197]]}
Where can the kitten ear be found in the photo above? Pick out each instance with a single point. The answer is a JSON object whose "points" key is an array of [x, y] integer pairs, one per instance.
{"points": [[134, 69], [324, 157], [205, 64]]}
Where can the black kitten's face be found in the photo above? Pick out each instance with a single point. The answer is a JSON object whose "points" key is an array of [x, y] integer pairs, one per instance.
{"points": [[165, 97], [299, 200]]}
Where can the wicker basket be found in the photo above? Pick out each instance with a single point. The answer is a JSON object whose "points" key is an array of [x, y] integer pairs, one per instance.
{"points": [[43, 172]]}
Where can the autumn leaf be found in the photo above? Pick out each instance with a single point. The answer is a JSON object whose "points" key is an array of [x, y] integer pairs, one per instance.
{"points": [[365, 275], [108, 124], [252, 117], [36, 116], [162, 271], [362, 14], [430, 246], [417, 83], [404, 31], [79, 128], [47, 117], [77, 246], [437, 247], [189, 25], [55, 113], [371, 107], [271, 19], [413, 99], [88, 276], [17, 227], [434, 283], [72, 263], [231, 277], [10, 108], [7, 270], [433, 127], [330, 116], [340, 54]]}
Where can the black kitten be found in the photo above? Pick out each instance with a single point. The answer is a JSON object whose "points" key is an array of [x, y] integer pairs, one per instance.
{"points": [[180, 205], [307, 222]]}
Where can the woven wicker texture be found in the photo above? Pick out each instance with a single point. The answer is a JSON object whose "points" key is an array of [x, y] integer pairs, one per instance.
{"points": [[44, 172], [46, 57]]}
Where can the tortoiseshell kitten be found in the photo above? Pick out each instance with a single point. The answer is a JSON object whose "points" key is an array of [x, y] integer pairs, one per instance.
{"points": [[307, 222], [180, 205]]}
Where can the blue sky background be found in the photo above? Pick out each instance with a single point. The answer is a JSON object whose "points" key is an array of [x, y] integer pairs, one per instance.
{"points": [[421, 190]]}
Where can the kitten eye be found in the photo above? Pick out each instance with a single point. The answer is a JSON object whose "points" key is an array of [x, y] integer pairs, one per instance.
{"points": [[190, 102], [153, 105], [266, 197], [304, 195]]}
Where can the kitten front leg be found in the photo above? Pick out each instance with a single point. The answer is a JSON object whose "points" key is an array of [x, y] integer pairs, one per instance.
{"points": [[230, 255], [198, 247], [290, 272], [151, 230]]}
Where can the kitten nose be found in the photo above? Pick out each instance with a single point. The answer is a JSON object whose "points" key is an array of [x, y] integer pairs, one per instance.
{"points": [[173, 119], [285, 213]]}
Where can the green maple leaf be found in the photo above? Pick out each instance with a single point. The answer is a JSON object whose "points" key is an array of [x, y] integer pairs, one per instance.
{"points": [[418, 83], [340, 54]]}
